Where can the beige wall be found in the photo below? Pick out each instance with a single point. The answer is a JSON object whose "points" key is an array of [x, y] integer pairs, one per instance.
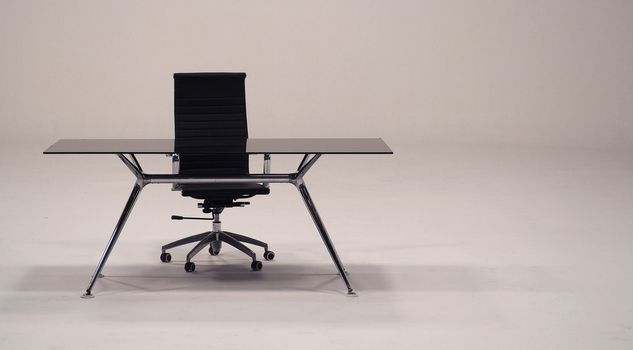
{"points": [[506, 72]]}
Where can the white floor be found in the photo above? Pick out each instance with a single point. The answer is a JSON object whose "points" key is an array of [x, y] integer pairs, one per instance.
{"points": [[448, 248]]}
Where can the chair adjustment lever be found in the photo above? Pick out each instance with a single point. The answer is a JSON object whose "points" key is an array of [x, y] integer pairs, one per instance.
{"points": [[178, 217]]}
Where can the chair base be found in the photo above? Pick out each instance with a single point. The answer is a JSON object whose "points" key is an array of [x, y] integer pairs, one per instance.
{"points": [[214, 240]]}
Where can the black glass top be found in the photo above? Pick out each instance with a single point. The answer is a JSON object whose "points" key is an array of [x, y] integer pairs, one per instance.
{"points": [[218, 145]]}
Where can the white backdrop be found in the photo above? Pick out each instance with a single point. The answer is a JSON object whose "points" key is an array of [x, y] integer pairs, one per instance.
{"points": [[460, 240], [456, 72]]}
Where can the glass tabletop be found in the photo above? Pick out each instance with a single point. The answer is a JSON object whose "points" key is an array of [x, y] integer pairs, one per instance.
{"points": [[219, 145]]}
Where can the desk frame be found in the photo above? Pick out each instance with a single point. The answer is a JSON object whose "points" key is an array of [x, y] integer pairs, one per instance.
{"points": [[143, 179]]}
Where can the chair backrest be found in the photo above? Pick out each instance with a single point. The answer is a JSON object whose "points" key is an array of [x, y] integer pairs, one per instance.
{"points": [[210, 109]]}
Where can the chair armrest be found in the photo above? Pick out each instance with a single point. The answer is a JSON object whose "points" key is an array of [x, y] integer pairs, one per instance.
{"points": [[175, 169], [266, 167]]}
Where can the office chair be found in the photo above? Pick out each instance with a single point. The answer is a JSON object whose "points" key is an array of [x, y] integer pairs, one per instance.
{"points": [[210, 114]]}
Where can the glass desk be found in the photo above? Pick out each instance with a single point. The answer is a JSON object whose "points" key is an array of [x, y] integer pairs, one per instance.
{"points": [[311, 148], [218, 145]]}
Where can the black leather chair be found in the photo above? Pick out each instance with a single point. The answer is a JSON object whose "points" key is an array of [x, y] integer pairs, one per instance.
{"points": [[210, 114]]}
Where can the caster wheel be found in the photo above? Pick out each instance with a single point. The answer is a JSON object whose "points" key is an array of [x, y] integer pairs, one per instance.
{"points": [[256, 265], [269, 255], [214, 247], [213, 252], [190, 267], [165, 257]]}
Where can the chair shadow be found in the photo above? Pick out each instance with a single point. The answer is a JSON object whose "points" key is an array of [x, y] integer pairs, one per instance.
{"points": [[305, 293], [229, 276]]}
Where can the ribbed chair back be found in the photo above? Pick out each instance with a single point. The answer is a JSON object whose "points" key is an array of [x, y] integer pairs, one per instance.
{"points": [[210, 108]]}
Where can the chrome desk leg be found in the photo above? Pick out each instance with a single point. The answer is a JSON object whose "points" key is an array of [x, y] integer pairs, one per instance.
{"points": [[324, 235], [115, 235]]}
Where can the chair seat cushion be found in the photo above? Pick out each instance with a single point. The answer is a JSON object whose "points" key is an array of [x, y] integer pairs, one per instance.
{"points": [[222, 191]]}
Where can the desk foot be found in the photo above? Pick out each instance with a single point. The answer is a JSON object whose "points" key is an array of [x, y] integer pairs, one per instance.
{"points": [[87, 295], [351, 293]]}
